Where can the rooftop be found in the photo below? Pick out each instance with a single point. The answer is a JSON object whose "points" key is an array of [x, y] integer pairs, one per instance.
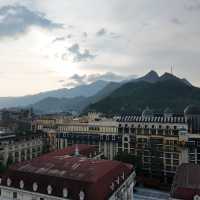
{"points": [[60, 170], [84, 150], [186, 182]]}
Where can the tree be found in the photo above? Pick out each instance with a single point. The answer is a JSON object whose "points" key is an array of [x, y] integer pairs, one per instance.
{"points": [[2, 167], [136, 161]]}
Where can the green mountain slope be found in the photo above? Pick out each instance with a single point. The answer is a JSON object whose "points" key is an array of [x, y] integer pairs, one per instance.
{"points": [[168, 91]]}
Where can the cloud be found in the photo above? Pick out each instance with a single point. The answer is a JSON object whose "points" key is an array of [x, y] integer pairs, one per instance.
{"points": [[58, 39], [16, 19], [61, 81], [109, 76], [176, 21], [114, 35], [77, 79], [85, 34], [79, 56], [101, 32], [69, 36], [193, 5]]}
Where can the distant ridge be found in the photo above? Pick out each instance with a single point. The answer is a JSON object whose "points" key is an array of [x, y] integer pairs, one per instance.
{"points": [[82, 90], [158, 93], [109, 97]]}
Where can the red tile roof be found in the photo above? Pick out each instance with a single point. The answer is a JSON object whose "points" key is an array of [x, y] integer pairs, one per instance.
{"points": [[60, 170], [84, 150], [186, 182]]}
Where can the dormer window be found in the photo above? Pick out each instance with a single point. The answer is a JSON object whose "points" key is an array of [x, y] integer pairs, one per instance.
{"points": [[9, 182], [21, 184], [49, 189], [65, 192], [81, 195], [35, 186]]}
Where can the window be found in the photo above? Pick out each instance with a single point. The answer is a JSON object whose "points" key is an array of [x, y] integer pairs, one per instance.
{"points": [[175, 162], [14, 195]]}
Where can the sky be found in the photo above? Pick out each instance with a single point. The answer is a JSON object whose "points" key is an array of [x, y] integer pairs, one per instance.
{"points": [[48, 44]]}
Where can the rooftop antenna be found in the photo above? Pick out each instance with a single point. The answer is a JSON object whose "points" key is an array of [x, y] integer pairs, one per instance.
{"points": [[76, 151]]}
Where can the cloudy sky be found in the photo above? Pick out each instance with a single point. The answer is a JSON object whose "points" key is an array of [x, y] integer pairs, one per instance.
{"points": [[48, 44]]}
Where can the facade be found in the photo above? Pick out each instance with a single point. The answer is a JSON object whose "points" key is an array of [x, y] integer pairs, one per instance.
{"points": [[103, 134], [186, 183], [91, 130], [158, 141], [16, 149], [162, 142], [58, 175]]}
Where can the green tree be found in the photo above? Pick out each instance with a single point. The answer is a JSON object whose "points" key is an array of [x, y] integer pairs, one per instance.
{"points": [[136, 161], [2, 167]]}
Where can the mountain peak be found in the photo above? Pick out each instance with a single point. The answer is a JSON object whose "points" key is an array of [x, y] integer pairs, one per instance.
{"points": [[150, 77], [167, 76]]}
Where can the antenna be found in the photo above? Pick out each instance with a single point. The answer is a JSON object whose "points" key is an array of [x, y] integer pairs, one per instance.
{"points": [[172, 69]]}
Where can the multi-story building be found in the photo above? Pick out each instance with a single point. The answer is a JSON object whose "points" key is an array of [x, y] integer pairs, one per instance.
{"points": [[186, 183], [102, 133], [162, 142], [91, 129], [59, 176], [16, 149]]}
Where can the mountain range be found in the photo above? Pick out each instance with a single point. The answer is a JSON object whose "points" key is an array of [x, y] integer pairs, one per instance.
{"points": [[157, 92], [82, 90]]}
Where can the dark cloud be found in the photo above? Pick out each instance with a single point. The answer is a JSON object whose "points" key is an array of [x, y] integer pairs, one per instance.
{"points": [[79, 56], [17, 19], [101, 32], [85, 34], [176, 21], [77, 79], [69, 36], [193, 5]]}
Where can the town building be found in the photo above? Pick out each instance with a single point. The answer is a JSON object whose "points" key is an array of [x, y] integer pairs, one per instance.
{"points": [[58, 175], [19, 148], [91, 129], [186, 183], [161, 141]]}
